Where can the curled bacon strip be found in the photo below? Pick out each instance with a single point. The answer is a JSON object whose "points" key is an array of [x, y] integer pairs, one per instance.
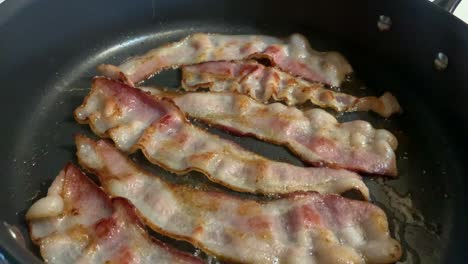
{"points": [[265, 83], [293, 55], [136, 120], [299, 228], [314, 135], [78, 223]]}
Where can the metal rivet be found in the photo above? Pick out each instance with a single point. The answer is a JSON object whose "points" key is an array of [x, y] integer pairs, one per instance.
{"points": [[384, 23], [441, 61]]}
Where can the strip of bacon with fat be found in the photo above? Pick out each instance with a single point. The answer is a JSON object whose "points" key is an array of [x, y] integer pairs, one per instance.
{"points": [[136, 120], [297, 228], [265, 83], [314, 135], [293, 55], [78, 223]]}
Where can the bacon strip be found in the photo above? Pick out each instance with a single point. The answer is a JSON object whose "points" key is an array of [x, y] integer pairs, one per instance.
{"points": [[265, 83], [315, 135], [299, 228], [293, 55], [136, 120], [78, 223]]}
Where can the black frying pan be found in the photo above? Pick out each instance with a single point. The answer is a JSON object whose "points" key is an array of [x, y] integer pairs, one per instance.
{"points": [[49, 50]]}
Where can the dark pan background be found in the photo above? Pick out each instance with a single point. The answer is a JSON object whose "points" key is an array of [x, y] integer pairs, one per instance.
{"points": [[49, 50]]}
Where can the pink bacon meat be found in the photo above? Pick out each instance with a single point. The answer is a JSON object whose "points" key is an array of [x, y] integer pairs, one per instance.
{"points": [[265, 83], [293, 55], [298, 228], [78, 223], [314, 135], [136, 120]]}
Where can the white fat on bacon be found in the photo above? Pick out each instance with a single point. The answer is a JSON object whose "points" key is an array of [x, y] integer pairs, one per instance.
{"points": [[293, 55], [314, 135], [78, 223], [136, 120], [265, 83], [298, 228]]}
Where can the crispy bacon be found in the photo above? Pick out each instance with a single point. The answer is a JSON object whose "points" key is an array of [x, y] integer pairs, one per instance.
{"points": [[293, 55], [265, 83], [78, 223], [298, 228], [314, 135], [136, 120]]}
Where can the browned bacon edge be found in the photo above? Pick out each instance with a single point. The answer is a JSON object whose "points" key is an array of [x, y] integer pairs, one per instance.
{"points": [[264, 83]]}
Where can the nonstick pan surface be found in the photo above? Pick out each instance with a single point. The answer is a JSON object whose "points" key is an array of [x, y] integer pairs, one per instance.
{"points": [[49, 51]]}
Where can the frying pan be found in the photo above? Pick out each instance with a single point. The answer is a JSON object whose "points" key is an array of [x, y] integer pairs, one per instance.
{"points": [[49, 50]]}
